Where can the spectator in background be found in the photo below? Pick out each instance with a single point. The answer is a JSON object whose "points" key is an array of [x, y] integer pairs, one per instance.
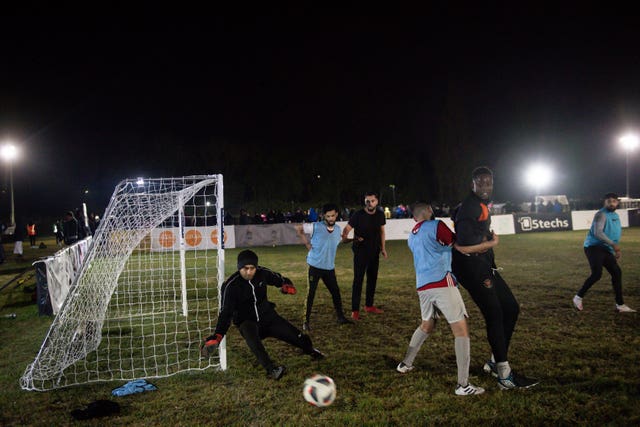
{"points": [[244, 219], [271, 216], [228, 218], [93, 223], [557, 207], [57, 231], [313, 215], [83, 227], [298, 216], [31, 232], [18, 235], [70, 228], [539, 207]]}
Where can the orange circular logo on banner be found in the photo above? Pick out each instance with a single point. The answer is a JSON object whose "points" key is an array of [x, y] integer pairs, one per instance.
{"points": [[193, 237], [214, 236], [167, 239]]}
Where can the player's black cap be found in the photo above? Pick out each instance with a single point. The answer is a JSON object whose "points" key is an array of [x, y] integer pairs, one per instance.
{"points": [[247, 257]]}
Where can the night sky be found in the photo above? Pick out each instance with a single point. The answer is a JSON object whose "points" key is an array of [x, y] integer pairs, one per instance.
{"points": [[92, 101]]}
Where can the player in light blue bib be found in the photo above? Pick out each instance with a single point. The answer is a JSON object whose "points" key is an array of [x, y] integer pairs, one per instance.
{"points": [[430, 242], [325, 238], [602, 248]]}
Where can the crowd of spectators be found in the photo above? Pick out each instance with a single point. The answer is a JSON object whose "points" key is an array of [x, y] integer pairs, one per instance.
{"points": [[300, 215], [273, 216]]}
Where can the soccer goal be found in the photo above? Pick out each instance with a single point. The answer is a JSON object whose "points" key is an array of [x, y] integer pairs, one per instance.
{"points": [[148, 291]]}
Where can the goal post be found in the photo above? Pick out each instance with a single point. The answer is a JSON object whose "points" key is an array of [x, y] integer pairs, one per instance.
{"points": [[148, 291]]}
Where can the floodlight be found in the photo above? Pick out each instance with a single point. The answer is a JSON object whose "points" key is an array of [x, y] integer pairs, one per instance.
{"points": [[538, 176], [629, 141]]}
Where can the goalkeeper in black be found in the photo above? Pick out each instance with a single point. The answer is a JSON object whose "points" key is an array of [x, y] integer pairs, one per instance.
{"points": [[244, 301]]}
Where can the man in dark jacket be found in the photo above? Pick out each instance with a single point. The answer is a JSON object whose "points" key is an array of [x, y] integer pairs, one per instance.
{"points": [[244, 301], [70, 228]]}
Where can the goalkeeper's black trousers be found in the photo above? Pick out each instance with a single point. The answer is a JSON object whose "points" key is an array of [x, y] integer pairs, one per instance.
{"points": [[477, 274], [272, 326]]}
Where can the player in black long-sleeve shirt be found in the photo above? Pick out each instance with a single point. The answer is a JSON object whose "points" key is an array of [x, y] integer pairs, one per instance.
{"points": [[244, 301], [478, 275]]}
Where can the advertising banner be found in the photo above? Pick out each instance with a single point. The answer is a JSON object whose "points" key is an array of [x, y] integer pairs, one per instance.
{"points": [[536, 222], [582, 219], [198, 238]]}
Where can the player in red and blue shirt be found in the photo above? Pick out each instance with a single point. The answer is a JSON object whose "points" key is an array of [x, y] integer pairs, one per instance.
{"points": [[430, 242]]}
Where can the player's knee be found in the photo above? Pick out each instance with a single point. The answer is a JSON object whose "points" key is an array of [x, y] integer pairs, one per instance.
{"points": [[460, 328], [427, 326]]}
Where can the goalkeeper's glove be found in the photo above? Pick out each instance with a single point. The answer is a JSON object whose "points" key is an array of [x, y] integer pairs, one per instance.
{"points": [[288, 288], [210, 345]]}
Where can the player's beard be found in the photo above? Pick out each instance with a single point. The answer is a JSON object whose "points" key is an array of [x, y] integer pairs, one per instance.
{"points": [[329, 223], [370, 209], [611, 208]]}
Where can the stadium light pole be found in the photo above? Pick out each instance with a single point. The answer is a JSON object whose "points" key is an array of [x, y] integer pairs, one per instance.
{"points": [[9, 153], [538, 176], [629, 142]]}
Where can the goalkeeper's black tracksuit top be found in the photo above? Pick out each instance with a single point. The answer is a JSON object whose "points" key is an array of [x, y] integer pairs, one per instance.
{"points": [[247, 299]]}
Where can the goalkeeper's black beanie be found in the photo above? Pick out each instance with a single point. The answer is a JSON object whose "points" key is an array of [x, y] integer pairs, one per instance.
{"points": [[247, 257]]}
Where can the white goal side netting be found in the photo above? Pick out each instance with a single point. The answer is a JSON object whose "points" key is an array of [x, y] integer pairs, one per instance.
{"points": [[148, 291]]}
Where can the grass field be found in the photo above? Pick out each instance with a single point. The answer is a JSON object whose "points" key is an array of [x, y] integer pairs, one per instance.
{"points": [[587, 362]]}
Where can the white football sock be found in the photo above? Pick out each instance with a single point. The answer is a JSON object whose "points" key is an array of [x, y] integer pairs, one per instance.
{"points": [[417, 339], [504, 370], [463, 358]]}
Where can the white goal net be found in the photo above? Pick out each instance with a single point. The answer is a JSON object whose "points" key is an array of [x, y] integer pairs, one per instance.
{"points": [[148, 291]]}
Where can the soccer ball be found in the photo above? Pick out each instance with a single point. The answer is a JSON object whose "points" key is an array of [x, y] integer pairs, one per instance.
{"points": [[319, 390]]}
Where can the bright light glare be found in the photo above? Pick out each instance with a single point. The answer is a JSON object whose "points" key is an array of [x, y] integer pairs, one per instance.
{"points": [[9, 152], [538, 176], [629, 141], [140, 182]]}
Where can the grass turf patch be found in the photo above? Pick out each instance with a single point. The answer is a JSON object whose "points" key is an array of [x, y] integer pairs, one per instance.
{"points": [[587, 361]]}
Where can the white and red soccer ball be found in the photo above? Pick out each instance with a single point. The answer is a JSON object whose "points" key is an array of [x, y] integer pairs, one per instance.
{"points": [[319, 390]]}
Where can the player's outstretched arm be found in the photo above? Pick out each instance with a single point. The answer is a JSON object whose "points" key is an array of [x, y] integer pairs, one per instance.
{"points": [[302, 236], [345, 234], [210, 345]]}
